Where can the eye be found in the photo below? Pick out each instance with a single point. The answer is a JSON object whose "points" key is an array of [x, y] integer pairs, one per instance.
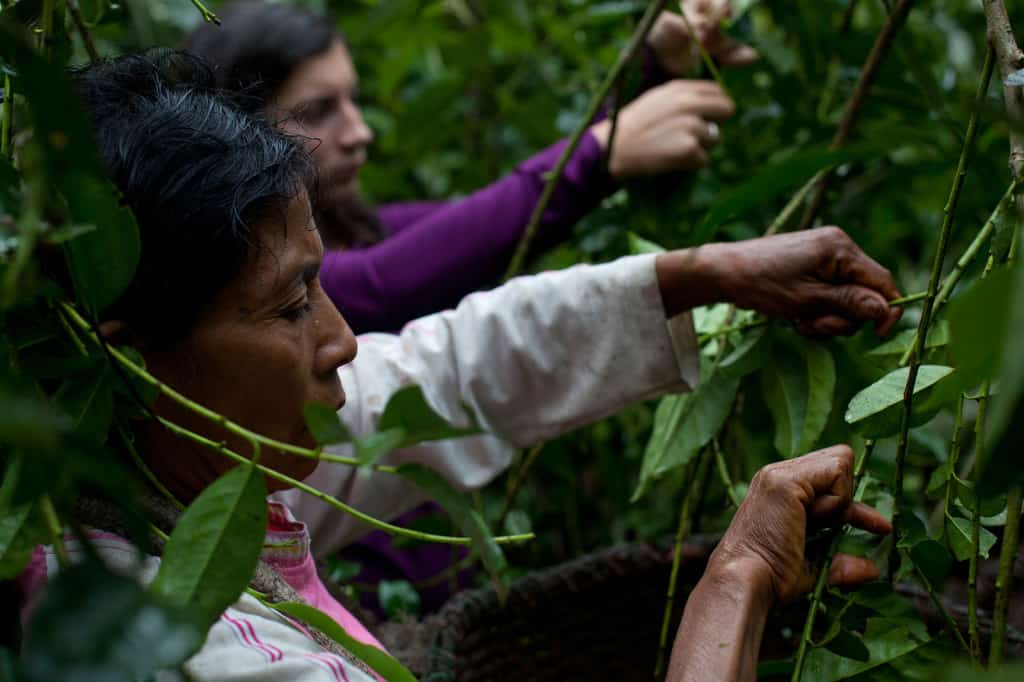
{"points": [[298, 312], [315, 112]]}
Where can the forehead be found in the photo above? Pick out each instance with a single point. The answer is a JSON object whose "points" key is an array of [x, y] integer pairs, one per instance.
{"points": [[325, 74], [287, 244]]}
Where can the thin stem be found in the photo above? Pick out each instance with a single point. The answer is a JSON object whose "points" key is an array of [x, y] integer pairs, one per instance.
{"points": [[729, 329], [822, 579], [709, 63], [972, 570], [7, 119], [517, 482], [146, 471], [324, 497], [972, 251], [723, 473], [255, 439], [697, 474], [951, 623], [789, 210], [46, 25], [613, 116], [851, 114], [1004, 579], [208, 14], [912, 298], [56, 529], [917, 350], [83, 30], [639, 35]]}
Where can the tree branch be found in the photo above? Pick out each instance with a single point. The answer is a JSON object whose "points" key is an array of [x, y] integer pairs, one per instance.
{"points": [[851, 115], [1011, 59], [639, 35]]}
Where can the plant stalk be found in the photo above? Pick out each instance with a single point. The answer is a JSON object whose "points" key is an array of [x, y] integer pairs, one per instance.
{"points": [[917, 350], [209, 15], [951, 623], [56, 529], [822, 580], [972, 570], [1004, 579], [697, 474], [7, 119], [324, 497], [639, 35], [851, 114], [517, 482], [83, 30]]}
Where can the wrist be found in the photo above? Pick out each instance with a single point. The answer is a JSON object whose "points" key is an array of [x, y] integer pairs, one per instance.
{"points": [[750, 576], [695, 277]]}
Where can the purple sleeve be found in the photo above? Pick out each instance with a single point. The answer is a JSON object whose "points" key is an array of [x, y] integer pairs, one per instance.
{"points": [[398, 216], [463, 245]]}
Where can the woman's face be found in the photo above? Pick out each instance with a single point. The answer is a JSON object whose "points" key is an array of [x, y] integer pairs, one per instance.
{"points": [[267, 344], [318, 101]]}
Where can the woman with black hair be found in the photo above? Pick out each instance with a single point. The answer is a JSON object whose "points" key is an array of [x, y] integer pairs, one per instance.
{"points": [[405, 260], [248, 331], [388, 265]]}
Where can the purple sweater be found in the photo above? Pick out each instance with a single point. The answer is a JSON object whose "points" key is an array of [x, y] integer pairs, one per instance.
{"points": [[437, 252]]}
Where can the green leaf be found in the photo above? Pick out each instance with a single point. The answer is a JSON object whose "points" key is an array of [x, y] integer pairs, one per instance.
{"points": [[749, 355], [465, 517], [938, 337], [89, 402], [20, 534], [769, 182], [398, 597], [212, 553], [28, 422], [325, 424], [95, 625], [886, 639], [848, 645], [958, 534], [933, 560], [979, 321], [102, 262], [639, 245], [798, 387], [517, 522], [408, 410], [875, 411], [683, 424], [383, 664], [376, 445]]}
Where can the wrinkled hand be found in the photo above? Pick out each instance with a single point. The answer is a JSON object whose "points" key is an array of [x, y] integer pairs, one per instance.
{"points": [[678, 52], [818, 278], [768, 534], [665, 129]]}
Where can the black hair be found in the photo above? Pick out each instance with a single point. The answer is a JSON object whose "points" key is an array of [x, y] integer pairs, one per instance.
{"points": [[254, 50], [258, 45], [197, 172]]}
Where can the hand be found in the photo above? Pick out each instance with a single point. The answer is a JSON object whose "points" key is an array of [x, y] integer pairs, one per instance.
{"points": [[665, 129], [678, 52], [767, 536], [818, 278]]}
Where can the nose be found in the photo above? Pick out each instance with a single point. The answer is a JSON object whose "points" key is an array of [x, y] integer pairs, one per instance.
{"points": [[335, 344], [353, 134]]}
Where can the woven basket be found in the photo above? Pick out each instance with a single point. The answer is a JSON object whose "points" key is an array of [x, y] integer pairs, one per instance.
{"points": [[596, 618]]}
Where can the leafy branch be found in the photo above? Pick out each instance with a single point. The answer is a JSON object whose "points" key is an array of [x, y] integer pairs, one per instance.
{"points": [[917, 351], [851, 114], [639, 35]]}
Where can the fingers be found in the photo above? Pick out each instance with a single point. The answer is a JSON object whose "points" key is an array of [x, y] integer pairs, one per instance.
{"points": [[866, 518], [827, 326], [701, 98], [858, 303], [850, 571]]}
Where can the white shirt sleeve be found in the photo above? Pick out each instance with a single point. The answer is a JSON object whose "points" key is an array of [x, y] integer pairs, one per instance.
{"points": [[531, 360]]}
